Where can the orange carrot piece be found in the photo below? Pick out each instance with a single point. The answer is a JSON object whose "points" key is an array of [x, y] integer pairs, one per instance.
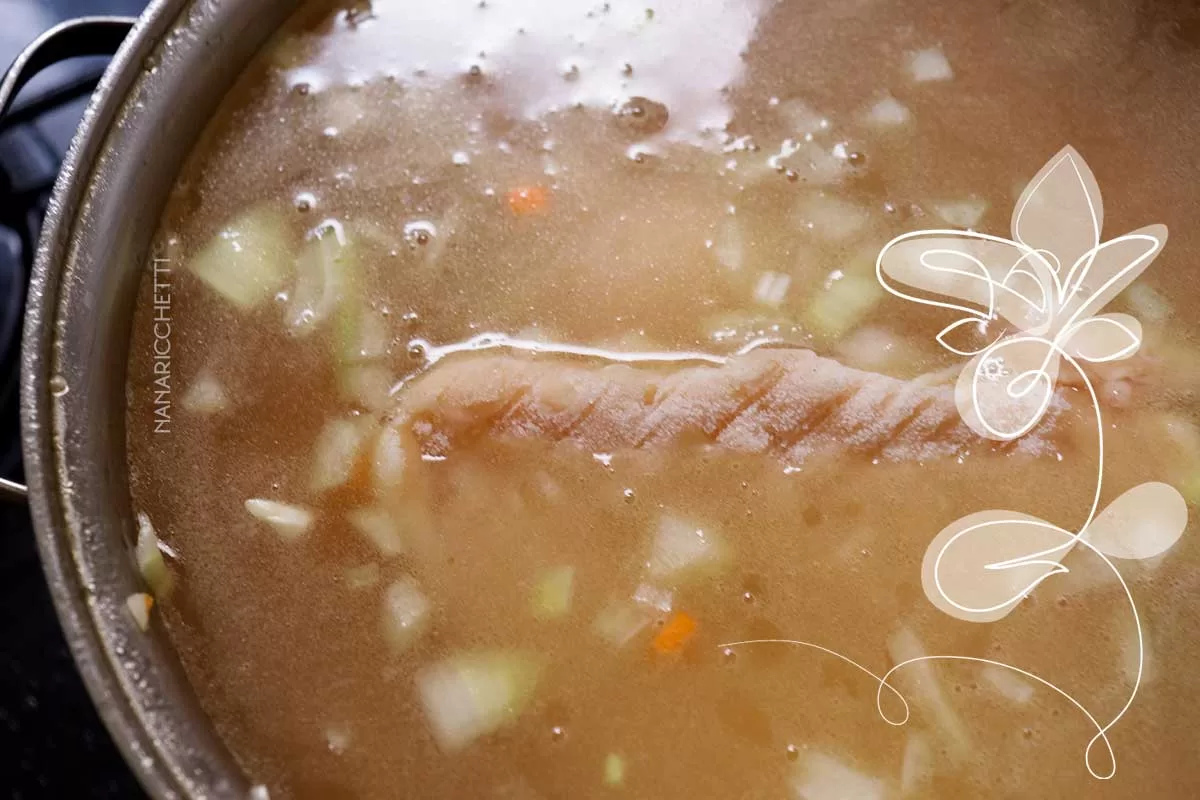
{"points": [[528, 200], [675, 633]]}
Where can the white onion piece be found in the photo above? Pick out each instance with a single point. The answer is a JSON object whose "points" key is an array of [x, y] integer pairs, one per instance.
{"points": [[1008, 683], [336, 450], [380, 527], [405, 614], [771, 289], [150, 561], [205, 395], [830, 218], [823, 777], [368, 385], [618, 623], [1147, 303], [653, 597], [553, 592], [888, 113], [729, 245], [321, 279], [246, 261], [388, 460], [917, 767], [139, 606], [930, 65], [681, 547], [962, 213], [920, 678], [363, 576], [474, 694], [289, 521]]}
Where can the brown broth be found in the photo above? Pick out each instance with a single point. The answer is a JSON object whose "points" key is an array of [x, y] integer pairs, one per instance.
{"points": [[356, 116]]}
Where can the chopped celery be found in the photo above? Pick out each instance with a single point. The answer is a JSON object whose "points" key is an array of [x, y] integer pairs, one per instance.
{"points": [[248, 260], [150, 561], [823, 777], [839, 308], [378, 525], [405, 614], [614, 769], [474, 694], [552, 594], [139, 606], [363, 576], [681, 548], [205, 395], [289, 521]]}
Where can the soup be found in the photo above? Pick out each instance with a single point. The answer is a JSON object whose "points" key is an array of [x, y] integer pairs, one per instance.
{"points": [[516, 410]]}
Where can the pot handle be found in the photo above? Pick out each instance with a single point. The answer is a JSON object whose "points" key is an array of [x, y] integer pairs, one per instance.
{"points": [[85, 36]]}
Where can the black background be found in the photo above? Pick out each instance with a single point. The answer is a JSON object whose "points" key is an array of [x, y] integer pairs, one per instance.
{"points": [[52, 743]]}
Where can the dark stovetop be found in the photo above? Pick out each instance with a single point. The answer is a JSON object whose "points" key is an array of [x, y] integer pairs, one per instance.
{"points": [[52, 744]]}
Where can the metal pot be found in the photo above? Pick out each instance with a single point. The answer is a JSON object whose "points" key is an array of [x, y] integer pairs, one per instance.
{"points": [[170, 71]]}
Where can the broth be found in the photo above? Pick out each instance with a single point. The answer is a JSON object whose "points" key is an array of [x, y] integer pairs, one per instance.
{"points": [[485, 578]]}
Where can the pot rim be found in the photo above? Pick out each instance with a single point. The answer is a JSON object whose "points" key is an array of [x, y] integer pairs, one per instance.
{"points": [[144, 116]]}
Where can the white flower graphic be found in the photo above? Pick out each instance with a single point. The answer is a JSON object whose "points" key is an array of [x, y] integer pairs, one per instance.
{"points": [[1033, 302]]}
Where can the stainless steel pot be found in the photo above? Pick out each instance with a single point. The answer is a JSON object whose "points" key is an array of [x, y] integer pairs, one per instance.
{"points": [[165, 82]]}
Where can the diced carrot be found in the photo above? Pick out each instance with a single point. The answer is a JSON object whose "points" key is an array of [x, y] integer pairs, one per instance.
{"points": [[675, 633], [528, 200]]}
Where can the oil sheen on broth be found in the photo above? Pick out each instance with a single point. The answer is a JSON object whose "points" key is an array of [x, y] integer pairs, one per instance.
{"points": [[436, 592]]}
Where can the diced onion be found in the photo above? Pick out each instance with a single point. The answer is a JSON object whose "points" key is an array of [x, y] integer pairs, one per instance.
{"points": [[653, 597], [289, 521], [729, 245], [139, 606], [380, 527], [921, 678], [1008, 683], [363, 576], [205, 395], [888, 113], [405, 614], [917, 766], [681, 547], [930, 65], [962, 213], [823, 777], [618, 623], [247, 261], [322, 279], [1147, 303], [388, 460], [831, 218], [474, 694], [771, 288], [336, 450], [368, 385], [552, 593], [150, 561]]}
